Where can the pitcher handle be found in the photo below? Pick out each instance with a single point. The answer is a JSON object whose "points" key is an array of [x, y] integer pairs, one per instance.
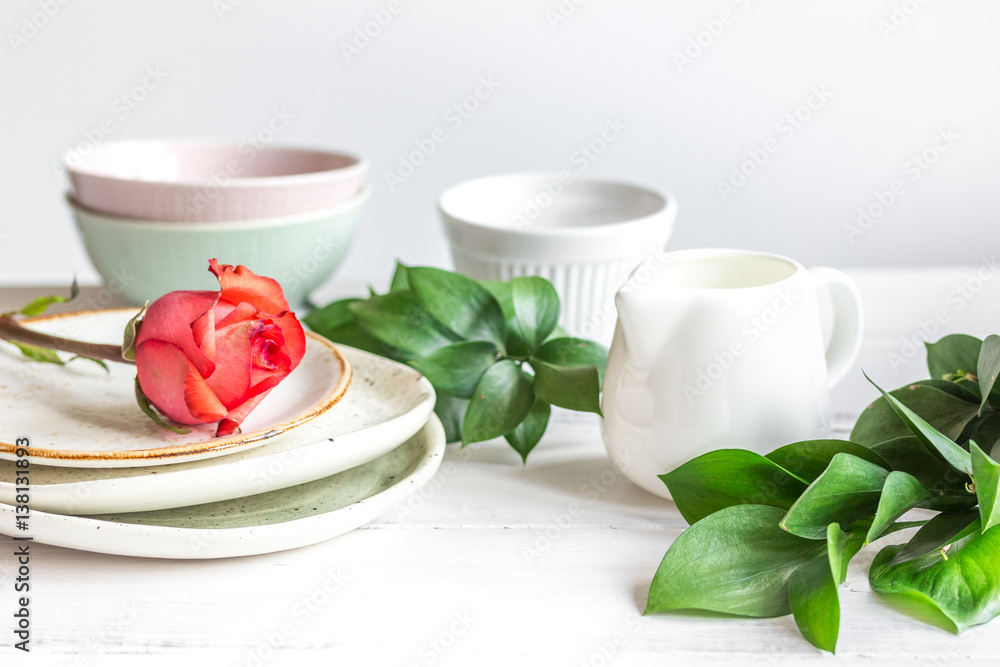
{"points": [[848, 320]]}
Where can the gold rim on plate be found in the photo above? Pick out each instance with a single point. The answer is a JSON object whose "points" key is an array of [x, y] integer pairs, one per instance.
{"points": [[216, 445]]}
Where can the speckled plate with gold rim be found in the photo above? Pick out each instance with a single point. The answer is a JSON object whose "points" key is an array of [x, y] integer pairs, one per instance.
{"points": [[265, 523], [80, 416]]}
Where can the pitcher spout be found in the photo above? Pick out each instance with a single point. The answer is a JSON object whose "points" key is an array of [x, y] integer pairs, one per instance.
{"points": [[648, 319]]}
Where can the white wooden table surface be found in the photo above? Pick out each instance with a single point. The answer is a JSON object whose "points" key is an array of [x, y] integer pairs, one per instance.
{"points": [[494, 562]]}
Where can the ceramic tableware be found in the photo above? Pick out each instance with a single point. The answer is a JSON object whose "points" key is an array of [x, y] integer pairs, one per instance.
{"points": [[142, 260], [584, 234], [718, 349], [80, 415], [207, 181], [264, 523], [387, 403]]}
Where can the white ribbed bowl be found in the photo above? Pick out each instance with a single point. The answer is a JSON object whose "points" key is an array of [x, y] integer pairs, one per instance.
{"points": [[583, 234]]}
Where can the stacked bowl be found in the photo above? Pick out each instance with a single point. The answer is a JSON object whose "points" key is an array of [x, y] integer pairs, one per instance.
{"points": [[153, 212]]}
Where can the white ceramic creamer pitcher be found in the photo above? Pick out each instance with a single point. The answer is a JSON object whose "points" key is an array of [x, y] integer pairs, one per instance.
{"points": [[722, 348]]}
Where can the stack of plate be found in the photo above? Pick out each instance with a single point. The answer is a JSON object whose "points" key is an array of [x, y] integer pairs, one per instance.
{"points": [[341, 440]]}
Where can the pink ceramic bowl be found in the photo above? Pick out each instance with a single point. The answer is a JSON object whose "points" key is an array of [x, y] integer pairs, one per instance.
{"points": [[202, 181]]}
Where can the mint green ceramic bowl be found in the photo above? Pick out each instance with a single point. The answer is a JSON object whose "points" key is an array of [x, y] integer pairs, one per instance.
{"points": [[142, 260]]}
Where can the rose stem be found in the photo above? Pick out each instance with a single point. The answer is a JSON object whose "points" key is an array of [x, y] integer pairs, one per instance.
{"points": [[11, 330]]}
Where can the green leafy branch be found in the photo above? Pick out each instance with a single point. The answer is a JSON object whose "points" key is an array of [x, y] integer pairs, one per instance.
{"points": [[42, 347], [773, 535], [492, 350]]}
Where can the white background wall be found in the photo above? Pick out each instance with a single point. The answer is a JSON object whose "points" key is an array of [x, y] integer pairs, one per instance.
{"points": [[892, 88]]}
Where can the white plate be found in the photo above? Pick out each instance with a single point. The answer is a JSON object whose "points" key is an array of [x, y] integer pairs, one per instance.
{"points": [[388, 402], [80, 416], [264, 523]]}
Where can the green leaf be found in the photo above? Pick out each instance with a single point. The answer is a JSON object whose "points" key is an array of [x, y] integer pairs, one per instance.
{"points": [[131, 333], [100, 362], [987, 368], [400, 278], [330, 317], [536, 310], [398, 320], [987, 434], [946, 484], [569, 372], [901, 493], [951, 354], [955, 389], [940, 531], [808, 459], [527, 434], [846, 491], [573, 352], [812, 595], [451, 411], [947, 413], [928, 435], [459, 303], [836, 542], [736, 561], [501, 401], [42, 303], [456, 369], [572, 388], [150, 412], [986, 476], [36, 353], [725, 477], [502, 292], [354, 336], [964, 586], [842, 547]]}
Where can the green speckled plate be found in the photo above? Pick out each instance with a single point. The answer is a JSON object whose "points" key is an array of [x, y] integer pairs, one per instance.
{"points": [[264, 523]]}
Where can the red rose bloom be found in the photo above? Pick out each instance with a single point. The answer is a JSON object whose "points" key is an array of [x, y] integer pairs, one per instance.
{"points": [[205, 357]]}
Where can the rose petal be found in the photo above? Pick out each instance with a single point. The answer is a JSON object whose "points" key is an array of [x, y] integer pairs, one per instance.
{"points": [[231, 378], [203, 330], [235, 418], [295, 337], [241, 285], [162, 369], [241, 313], [170, 318], [201, 400]]}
